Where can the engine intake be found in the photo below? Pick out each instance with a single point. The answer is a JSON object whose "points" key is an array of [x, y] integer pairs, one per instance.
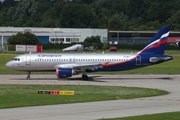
{"points": [[64, 72]]}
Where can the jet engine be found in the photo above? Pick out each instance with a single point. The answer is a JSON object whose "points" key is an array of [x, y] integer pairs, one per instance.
{"points": [[65, 72]]}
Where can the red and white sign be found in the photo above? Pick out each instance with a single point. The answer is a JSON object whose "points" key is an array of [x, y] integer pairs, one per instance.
{"points": [[20, 48], [29, 48], [39, 48]]}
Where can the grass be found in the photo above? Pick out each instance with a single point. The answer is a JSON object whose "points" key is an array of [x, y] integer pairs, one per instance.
{"points": [[26, 95], [4, 58], [161, 116]]}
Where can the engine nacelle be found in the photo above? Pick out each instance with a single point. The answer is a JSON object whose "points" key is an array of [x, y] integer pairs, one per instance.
{"points": [[178, 44], [64, 72]]}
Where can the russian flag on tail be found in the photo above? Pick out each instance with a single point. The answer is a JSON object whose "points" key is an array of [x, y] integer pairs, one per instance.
{"points": [[158, 43]]}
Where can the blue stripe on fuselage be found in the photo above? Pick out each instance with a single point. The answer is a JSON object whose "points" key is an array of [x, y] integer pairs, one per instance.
{"points": [[132, 64]]}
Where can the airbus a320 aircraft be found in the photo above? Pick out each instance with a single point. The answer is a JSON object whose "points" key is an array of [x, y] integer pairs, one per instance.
{"points": [[67, 65]]}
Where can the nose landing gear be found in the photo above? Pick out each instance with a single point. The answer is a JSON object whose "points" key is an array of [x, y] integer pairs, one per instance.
{"points": [[29, 74]]}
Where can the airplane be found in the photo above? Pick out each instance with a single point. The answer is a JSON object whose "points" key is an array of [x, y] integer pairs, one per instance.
{"points": [[68, 64]]}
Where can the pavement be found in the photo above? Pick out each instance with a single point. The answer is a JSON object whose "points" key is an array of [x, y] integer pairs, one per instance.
{"points": [[100, 109]]}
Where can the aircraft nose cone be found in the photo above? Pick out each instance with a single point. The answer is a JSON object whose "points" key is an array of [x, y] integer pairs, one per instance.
{"points": [[8, 65]]}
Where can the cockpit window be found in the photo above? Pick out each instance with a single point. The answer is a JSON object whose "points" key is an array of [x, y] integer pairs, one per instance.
{"points": [[16, 59]]}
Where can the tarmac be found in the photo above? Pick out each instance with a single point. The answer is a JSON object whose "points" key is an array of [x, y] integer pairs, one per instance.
{"points": [[100, 109]]}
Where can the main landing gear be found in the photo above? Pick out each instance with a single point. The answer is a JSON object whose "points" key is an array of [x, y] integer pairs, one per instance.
{"points": [[84, 77], [29, 74]]}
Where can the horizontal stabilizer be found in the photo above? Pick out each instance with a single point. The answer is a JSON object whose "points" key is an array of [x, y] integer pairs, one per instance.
{"points": [[157, 59]]}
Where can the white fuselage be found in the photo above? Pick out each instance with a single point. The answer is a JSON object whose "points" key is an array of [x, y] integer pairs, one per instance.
{"points": [[49, 61]]}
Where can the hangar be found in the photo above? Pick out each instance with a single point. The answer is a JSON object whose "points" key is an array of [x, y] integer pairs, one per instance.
{"points": [[131, 37], [54, 35]]}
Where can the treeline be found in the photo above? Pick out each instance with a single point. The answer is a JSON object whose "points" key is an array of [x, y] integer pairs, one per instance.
{"points": [[110, 14]]}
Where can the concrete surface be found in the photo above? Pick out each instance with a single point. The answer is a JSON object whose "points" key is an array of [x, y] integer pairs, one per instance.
{"points": [[101, 109]]}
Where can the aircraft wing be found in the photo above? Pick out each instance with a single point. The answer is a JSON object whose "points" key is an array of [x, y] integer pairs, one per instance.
{"points": [[80, 67]]}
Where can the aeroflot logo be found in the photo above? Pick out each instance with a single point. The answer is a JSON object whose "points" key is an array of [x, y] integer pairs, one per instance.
{"points": [[49, 55], [163, 37]]}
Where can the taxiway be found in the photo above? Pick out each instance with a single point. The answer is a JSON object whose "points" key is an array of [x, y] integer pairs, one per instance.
{"points": [[101, 109]]}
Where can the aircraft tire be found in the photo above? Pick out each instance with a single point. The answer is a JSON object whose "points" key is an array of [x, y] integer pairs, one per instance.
{"points": [[85, 77]]}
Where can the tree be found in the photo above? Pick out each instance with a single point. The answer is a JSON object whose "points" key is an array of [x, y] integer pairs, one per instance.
{"points": [[136, 8], [23, 38], [105, 46], [115, 22], [76, 16], [93, 41], [174, 21], [111, 14], [1, 5], [25, 9]]}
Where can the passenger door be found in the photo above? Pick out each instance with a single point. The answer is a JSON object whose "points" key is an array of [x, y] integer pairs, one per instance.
{"points": [[28, 59]]}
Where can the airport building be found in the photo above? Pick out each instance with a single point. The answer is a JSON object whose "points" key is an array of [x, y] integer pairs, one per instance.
{"points": [[77, 35], [54, 35], [131, 37]]}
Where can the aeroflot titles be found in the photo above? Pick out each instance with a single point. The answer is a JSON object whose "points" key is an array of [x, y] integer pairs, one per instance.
{"points": [[61, 56], [49, 55]]}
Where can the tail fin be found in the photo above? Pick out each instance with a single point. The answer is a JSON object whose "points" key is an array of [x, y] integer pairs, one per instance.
{"points": [[158, 43]]}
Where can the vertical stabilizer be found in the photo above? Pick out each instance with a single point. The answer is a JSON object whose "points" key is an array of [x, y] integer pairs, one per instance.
{"points": [[158, 43]]}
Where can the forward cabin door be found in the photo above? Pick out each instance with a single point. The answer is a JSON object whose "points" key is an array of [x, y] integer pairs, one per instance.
{"points": [[28, 59]]}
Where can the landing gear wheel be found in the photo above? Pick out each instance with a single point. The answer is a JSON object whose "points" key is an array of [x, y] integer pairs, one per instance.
{"points": [[28, 77], [85, 77]]}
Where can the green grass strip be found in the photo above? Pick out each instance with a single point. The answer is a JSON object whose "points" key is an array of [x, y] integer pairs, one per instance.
{"points": [[161, 116], [27, 95]]}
